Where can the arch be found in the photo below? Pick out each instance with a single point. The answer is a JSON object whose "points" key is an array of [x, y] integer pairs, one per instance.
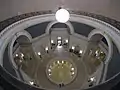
{"points": [[22, 37], [96, 37], [8, 32], [92, 36], [55, 22], [95, 34]]}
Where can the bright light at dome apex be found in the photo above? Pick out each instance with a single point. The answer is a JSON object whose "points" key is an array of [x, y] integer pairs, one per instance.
{"points": [[62, 15]]}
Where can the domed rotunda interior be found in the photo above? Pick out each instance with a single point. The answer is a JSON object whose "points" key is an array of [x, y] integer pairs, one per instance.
{"points": [[59, 45]]}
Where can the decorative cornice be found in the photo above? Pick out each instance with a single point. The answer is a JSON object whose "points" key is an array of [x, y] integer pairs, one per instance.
{"points": [[9, 21]]}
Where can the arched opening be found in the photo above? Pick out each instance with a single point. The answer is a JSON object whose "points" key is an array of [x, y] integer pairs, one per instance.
{"points": [[59, 30], [96, 52], [60, 25], [24, 56], [102, 52], [98, 49], [22, 40]]}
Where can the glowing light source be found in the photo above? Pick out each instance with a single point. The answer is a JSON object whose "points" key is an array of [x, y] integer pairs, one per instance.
{"points": [[62, 62], [101, 51], [46, 48], [22, 55], [62, 15], [31, 82], [96, 52], [92, 79], [16, 55], [66, 40], [80, 51], [73, 47], [59, 42], [72, 69], [49, 74], [59, 46], [73, 73], [52, 41], [58, 62], [59, 38], [39, 53], [49, 70]]}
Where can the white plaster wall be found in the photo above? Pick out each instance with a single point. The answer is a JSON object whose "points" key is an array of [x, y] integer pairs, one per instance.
{"points": [[9, 8], [74, 40], [40, 43]]}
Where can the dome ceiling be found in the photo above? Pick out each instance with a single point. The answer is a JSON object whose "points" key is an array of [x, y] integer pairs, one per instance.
{"points": [[108, 8]]}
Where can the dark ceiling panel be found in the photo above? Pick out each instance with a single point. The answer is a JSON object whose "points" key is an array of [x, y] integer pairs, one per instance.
{"points": [[38, 29], [114, 65], [82, 29]]}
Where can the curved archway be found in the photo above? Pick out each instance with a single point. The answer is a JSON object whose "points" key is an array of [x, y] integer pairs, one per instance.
{"points": [[21, 37], [55, 22], [94, 36]]}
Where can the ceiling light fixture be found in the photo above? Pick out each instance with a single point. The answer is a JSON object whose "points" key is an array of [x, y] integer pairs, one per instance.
{"points": [[59, 38], [72, 69], [31, 82], [62, 62], [49, 70], [59, 46], [22, 55], [58, 62], [16, 55], [73, 47], [62, 15], [80, 51], [39, 53], [66, 40], [46, 48], [52, 41], [92, 79]]}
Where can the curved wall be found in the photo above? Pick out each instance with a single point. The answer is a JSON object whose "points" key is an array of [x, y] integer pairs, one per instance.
{"points": [[10, 8], [87, 20], [11, 43]]}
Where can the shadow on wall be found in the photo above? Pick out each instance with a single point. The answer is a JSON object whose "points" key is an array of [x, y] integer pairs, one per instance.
{"points": [[114, 65]]}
